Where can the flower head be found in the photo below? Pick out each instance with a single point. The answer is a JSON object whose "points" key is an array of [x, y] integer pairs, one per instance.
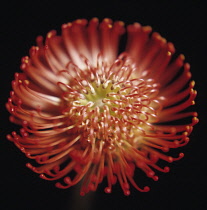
{"points": [[88, 112]]}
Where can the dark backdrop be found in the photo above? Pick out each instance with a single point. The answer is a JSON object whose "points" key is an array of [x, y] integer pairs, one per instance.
{"points": [[183, 23]]}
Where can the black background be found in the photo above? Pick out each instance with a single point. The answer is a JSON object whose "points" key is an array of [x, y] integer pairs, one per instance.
{"points": [[181, 22]]}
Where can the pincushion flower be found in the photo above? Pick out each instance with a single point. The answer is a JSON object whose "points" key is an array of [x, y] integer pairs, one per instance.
{"points": [[88, 112]]}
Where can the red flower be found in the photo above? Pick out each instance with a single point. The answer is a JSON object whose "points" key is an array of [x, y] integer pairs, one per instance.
{"points": [[87, 113]]}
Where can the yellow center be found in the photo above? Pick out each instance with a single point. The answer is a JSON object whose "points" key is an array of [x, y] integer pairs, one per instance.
{"points": [[98, 95]]}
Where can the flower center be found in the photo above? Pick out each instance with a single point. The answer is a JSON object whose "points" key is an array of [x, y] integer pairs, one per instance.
{"points": [[109, 105], [97, 95]]}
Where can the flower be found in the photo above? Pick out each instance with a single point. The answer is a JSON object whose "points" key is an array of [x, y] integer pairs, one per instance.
{"points": [[88, 113]]}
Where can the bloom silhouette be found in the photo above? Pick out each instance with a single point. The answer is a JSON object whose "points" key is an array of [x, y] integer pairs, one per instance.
{"points": [[89, 113]]}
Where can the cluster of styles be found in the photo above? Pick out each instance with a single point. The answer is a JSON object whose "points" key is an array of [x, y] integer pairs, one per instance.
{"points": [[88, 112]]}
